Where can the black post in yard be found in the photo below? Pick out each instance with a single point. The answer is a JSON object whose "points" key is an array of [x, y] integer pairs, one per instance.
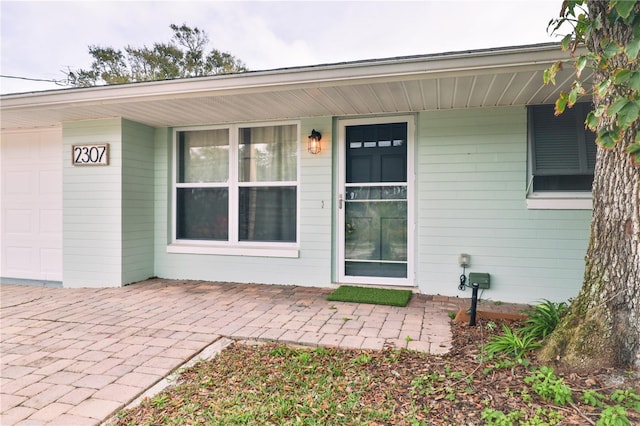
{"points": [[474, 303]]}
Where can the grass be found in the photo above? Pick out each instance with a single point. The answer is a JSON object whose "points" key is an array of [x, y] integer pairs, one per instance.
{"points": [[271, 384], [376, 296], [275, 384]]}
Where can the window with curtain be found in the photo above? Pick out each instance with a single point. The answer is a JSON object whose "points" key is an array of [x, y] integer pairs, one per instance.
{"points": [[563, 151], [202, 191], [237, 184], [267, 175]]}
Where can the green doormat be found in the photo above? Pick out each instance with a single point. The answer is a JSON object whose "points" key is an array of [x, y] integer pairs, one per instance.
{"points": [[375, 296]]}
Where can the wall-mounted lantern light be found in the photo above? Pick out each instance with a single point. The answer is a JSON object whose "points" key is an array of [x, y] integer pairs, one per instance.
{"points": [[313, 145]]}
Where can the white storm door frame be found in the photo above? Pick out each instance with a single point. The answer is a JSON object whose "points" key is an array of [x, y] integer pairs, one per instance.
{"points": [[340, 205]]}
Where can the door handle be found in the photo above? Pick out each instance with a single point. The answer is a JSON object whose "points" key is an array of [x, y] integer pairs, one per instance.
{"points": [[340, 201]]}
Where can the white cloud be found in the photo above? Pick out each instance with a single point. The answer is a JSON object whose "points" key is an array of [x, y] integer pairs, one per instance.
{"points": [[41, 39], [251, 37]]}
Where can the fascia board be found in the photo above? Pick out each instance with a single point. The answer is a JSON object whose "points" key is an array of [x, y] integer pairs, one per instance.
{"points": [[363, 72]]}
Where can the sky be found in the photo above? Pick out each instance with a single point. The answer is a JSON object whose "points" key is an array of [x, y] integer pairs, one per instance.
{"points": [[43, 39]]}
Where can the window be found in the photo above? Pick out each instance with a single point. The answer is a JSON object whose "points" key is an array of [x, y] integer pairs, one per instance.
{"points": [[267, 174], [236, 185], [202, 190], [563, 150]]}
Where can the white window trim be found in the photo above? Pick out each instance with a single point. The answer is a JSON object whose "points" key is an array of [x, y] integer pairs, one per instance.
{"points": [[557, 200], [240, 249], [560, 201], [233, 247]]}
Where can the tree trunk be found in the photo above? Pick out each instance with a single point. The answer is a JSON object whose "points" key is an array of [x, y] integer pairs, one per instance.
{"points": [[602, 327]]}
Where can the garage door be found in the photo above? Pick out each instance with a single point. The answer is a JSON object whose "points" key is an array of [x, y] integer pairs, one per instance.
{"points": [[31, 207]]}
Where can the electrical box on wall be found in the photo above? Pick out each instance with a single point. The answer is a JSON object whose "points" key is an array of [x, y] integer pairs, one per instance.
{"points": [[481, 278]]}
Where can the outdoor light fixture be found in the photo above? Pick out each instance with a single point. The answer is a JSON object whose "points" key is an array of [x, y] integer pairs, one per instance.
{"points": [[313, 145]]}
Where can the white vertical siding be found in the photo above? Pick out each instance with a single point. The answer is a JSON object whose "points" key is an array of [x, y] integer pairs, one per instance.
{"points": [[137, 201], [92, 200], [471, 172], [312, 267]]}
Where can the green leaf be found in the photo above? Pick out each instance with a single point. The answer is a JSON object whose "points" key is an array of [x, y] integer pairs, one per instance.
{"points": [[576, 91], [550, 73], [602, 88], [561, 103], [610, 48], [591, 121], [566, 41], [608, 139], [628, 114], [633, 49], [622, 75], [624, 8], [634, 148], [634, 151], [547, 77], [634, 81], [616, 106], [581, 63]]}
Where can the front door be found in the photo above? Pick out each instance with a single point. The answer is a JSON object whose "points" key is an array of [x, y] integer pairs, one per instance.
{"points": [[374, 202]]}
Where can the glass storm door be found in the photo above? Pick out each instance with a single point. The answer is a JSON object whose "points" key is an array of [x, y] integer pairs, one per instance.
{"points": [[373, 204]]}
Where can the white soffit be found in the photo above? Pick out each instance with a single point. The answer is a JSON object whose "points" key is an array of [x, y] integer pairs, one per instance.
{"points": [[485, 78]]}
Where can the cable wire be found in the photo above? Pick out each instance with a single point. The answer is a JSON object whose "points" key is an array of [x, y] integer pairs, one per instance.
{"points": [[58, 82]]}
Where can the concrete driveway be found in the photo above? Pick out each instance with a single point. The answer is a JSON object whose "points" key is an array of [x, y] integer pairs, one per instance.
{"points": [[76, 356]]}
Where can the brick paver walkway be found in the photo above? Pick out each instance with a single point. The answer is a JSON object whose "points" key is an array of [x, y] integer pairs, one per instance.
{"points": [[76, 356]]}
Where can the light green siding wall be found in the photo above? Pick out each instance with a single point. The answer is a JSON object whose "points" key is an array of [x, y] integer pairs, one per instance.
{"points": [[311, 268], [315, 206], [92, 206], [137, 201], [471, 182], [470, 189], [108, 210]]}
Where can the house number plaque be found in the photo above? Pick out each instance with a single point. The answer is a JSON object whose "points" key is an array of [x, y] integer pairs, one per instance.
{"points": [[90, 155]]}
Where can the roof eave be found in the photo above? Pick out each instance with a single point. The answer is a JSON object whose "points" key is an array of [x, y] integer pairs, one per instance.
{"points": [[359, 72]]}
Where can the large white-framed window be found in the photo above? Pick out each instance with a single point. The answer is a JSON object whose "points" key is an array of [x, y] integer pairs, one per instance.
{"points": [[236, 189], [562, 155]]}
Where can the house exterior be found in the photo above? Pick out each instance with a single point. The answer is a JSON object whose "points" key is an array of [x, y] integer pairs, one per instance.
{"points": [[421, 159]]}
